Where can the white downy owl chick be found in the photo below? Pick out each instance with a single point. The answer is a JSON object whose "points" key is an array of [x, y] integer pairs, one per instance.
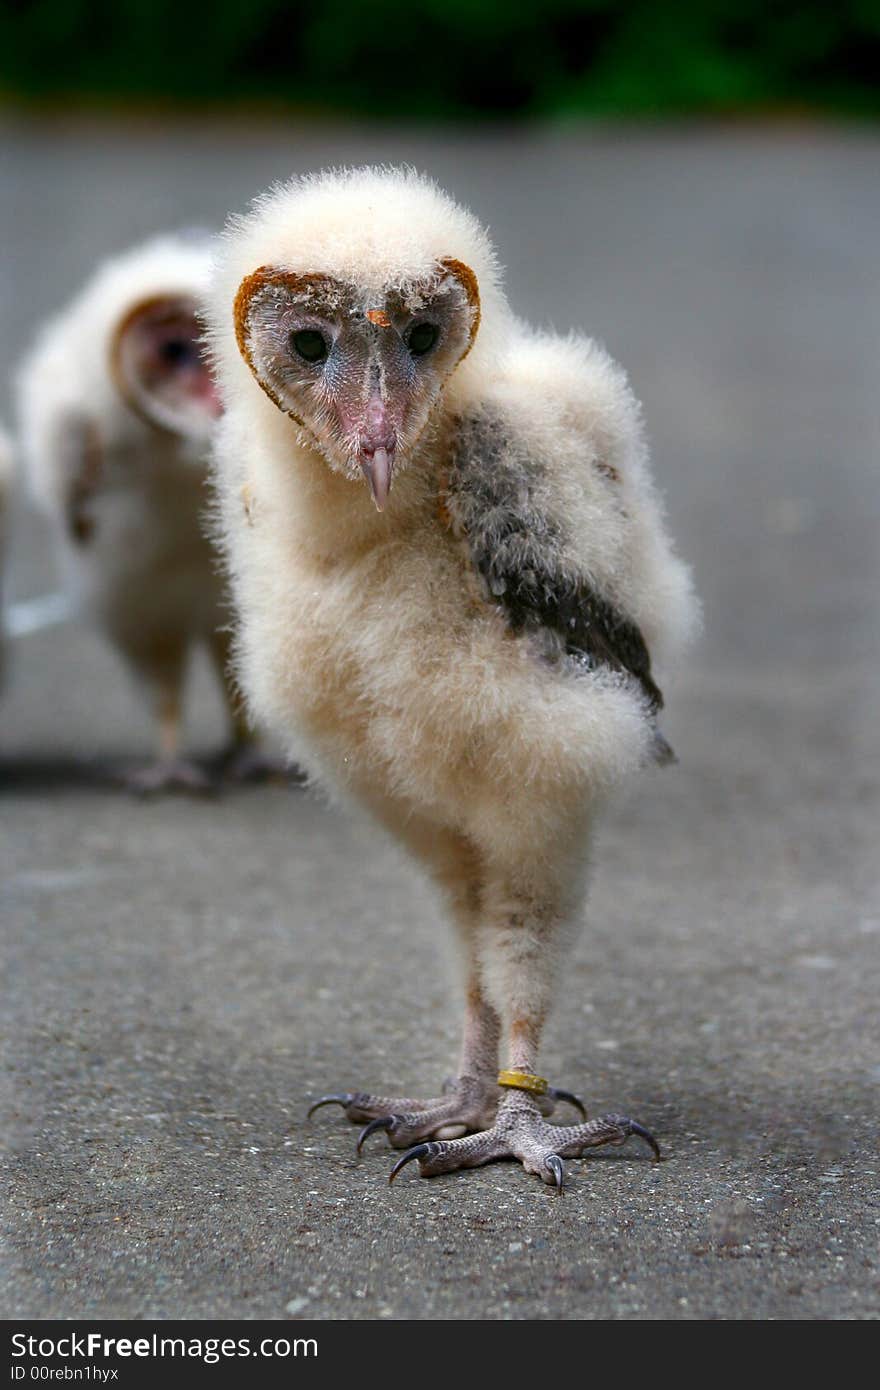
{"points": [[449, 566], [117, 406]]}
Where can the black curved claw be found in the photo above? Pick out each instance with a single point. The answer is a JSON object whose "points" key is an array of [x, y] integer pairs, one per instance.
{"points": [[648, 1138], [571, 1099], [344, 1101], [383, 1122], [557, 1168], [420, 1151]]}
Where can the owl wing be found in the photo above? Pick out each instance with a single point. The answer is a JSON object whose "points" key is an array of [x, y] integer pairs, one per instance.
{"points": [[80, 467], [500, 500]]}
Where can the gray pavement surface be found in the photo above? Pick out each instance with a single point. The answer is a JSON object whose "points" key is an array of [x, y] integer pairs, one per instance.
{"points": [[181, 977]]}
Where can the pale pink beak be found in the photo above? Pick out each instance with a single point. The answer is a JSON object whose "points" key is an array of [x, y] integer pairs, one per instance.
{"points": [[377, 468], [377, 448]]}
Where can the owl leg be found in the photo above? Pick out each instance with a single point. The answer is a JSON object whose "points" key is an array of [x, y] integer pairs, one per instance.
{"points": [[521, 945], [467, 1103], [160, 667], [469, 1099]]}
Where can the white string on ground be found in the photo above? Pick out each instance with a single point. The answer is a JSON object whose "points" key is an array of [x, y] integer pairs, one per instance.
{"points": [[35, 614]]}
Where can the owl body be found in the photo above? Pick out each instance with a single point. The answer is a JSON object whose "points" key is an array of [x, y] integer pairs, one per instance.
{"points": [[124, 495], [375, 647], [117, 406], [454, 592], [146, 565]]}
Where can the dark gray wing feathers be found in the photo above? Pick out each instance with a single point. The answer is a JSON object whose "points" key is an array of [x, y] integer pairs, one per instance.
{"points": [[518, 550]]}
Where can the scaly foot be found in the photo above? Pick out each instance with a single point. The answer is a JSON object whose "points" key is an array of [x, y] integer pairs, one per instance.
{"points": [[468, 1103], [521, 1132], [169, 775]]}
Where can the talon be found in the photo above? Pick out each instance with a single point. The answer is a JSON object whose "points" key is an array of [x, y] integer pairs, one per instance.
{"points": [[420, 1151], [383, 1122], [557, 1168], [344, 1101], [647, 1136], [571, 1099]]}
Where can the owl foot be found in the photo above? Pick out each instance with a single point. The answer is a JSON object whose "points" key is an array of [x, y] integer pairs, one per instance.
{"points": [[468, 1103], [168, 775], [520, 1132]]}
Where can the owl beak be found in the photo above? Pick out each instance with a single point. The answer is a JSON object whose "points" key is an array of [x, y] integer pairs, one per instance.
{"points": [[378, 444], [377, 465]]}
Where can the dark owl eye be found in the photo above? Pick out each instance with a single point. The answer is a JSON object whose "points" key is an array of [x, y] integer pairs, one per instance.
{"points": [[309, 344], [177, 351], [421, 338]]}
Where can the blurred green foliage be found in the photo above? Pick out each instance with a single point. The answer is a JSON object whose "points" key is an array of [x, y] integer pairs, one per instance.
{"points": [[451, 57]]}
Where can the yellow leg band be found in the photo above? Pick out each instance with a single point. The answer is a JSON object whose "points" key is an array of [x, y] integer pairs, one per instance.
{"points": [[523, 1081]]}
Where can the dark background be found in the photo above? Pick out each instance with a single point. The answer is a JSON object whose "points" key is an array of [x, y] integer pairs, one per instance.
{"points": [[452, 57]]}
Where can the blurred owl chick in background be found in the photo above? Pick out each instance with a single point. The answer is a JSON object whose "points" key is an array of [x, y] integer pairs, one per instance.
{"points": [[116, 411]]}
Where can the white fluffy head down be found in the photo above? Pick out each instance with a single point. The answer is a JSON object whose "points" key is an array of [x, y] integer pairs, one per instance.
{"points": [[68, 373], [357, 298], [376, 228]]}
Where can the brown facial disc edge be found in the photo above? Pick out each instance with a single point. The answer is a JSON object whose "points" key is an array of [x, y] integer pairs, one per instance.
{"points": [[251, 285], [468, 281], [114, 355], [271, 275]]}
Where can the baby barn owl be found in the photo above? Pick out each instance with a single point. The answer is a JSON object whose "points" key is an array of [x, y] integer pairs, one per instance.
{"points": [[449, 568], [116, 410]]}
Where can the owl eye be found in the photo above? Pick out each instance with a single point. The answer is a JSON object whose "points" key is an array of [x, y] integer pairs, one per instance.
{"points": [[309, 344], [177, 351], [421, 338]]}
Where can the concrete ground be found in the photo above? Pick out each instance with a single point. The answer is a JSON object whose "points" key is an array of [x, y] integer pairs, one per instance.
{"points": [[181, 977]]}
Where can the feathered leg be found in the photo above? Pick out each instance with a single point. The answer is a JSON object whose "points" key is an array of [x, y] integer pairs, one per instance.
{"points": [[522, 939], [467, 1103], [469, 1100], [159, 666]]}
